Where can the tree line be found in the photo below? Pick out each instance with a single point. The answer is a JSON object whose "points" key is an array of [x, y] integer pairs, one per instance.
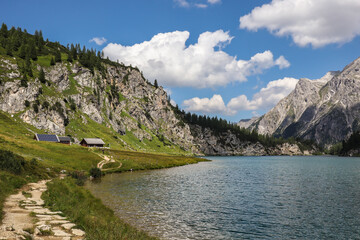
{"points": [[219, 126], [19, 43]]}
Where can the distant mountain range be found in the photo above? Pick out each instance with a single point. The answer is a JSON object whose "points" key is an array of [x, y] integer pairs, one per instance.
{"points": [[326, 110]]}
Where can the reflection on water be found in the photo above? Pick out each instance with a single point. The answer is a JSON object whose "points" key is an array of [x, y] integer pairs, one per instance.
{"points": [[241, 198]]}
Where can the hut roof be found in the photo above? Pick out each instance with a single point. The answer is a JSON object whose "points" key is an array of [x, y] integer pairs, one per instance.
{"points": [[64, 139], [94, 141], [47, 137]]}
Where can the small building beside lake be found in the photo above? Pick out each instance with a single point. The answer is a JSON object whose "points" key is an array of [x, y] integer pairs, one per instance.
{"points": [[92, 142], [65, 140]]}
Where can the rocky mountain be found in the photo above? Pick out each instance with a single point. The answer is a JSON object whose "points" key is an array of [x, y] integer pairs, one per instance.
{"points": [[326, 110], [246, 123], [74, 91], [121, 100], [227, 143]]}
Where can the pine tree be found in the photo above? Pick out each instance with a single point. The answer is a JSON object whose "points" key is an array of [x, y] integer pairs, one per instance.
{"points": [[57, 56], [52, 61], [69, 59], [9, 49], [28, 66], [33, 53], [42, 76], [4, 30], [73, 52], [156, 83], [16, 40], [23, 82], [22, 51]]}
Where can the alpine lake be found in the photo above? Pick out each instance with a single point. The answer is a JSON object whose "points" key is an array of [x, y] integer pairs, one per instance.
{"points": [[268, 197]]}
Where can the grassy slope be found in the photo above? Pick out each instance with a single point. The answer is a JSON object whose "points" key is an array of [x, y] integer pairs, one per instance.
{"points": [[17, 137]]}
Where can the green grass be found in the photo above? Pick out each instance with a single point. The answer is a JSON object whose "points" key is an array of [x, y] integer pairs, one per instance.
{"points": [[111, 165], [8, 184], [146, 161], [18, 138], [82, 208], [44, 61]]}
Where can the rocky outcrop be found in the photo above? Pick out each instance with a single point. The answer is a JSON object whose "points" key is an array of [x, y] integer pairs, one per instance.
{"points": [[325, 110], [227, 144], [121, 98]]}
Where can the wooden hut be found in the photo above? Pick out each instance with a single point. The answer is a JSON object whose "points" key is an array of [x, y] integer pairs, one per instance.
{"points": [[65, 140], [92, 142]]}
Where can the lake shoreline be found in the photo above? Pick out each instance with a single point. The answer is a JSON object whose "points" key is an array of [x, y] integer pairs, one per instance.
{"points": [[178, 203]]}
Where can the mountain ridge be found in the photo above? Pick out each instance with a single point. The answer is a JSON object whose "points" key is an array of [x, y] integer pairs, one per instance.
{"points": [[325, 110]]}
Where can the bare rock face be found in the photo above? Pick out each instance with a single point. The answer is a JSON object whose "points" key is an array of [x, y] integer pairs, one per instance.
{"points": [[246, 123], [227, 143], [13, 96], [119, 98], [325, 110]]}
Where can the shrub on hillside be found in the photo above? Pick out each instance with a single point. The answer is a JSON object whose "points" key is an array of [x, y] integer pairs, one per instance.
{"points": [[80, 177], [95, 172], [11, 162]]}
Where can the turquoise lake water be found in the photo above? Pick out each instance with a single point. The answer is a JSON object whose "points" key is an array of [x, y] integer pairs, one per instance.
{"points": [[241, 198]]}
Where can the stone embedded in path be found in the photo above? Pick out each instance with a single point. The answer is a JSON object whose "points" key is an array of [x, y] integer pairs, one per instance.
{"points": [[32, 207], [40, 223], [60, 233], [44, 217], [57, 217], [44, 227], [78, 232], [59, 221], [68, 226], [46, 211]]}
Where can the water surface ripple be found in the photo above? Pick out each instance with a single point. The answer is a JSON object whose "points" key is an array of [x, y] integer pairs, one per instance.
{"points": [[241, 198]]}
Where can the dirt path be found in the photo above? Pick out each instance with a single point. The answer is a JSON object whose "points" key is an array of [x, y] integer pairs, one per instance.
{"points": [[26, 217], [105, 161]]}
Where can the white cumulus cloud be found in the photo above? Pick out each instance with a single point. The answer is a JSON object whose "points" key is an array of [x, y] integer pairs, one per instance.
{"points": [[315, 22], [98, 41], [205, 105], [265, 99], [203, 64]]}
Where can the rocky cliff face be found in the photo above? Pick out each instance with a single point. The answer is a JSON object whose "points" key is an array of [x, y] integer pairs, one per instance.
{"points": [[121, 99], [227, 144], [325, 110]]}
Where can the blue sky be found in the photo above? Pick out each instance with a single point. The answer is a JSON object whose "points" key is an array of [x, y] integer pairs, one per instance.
{"points": [[237, 69]]}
